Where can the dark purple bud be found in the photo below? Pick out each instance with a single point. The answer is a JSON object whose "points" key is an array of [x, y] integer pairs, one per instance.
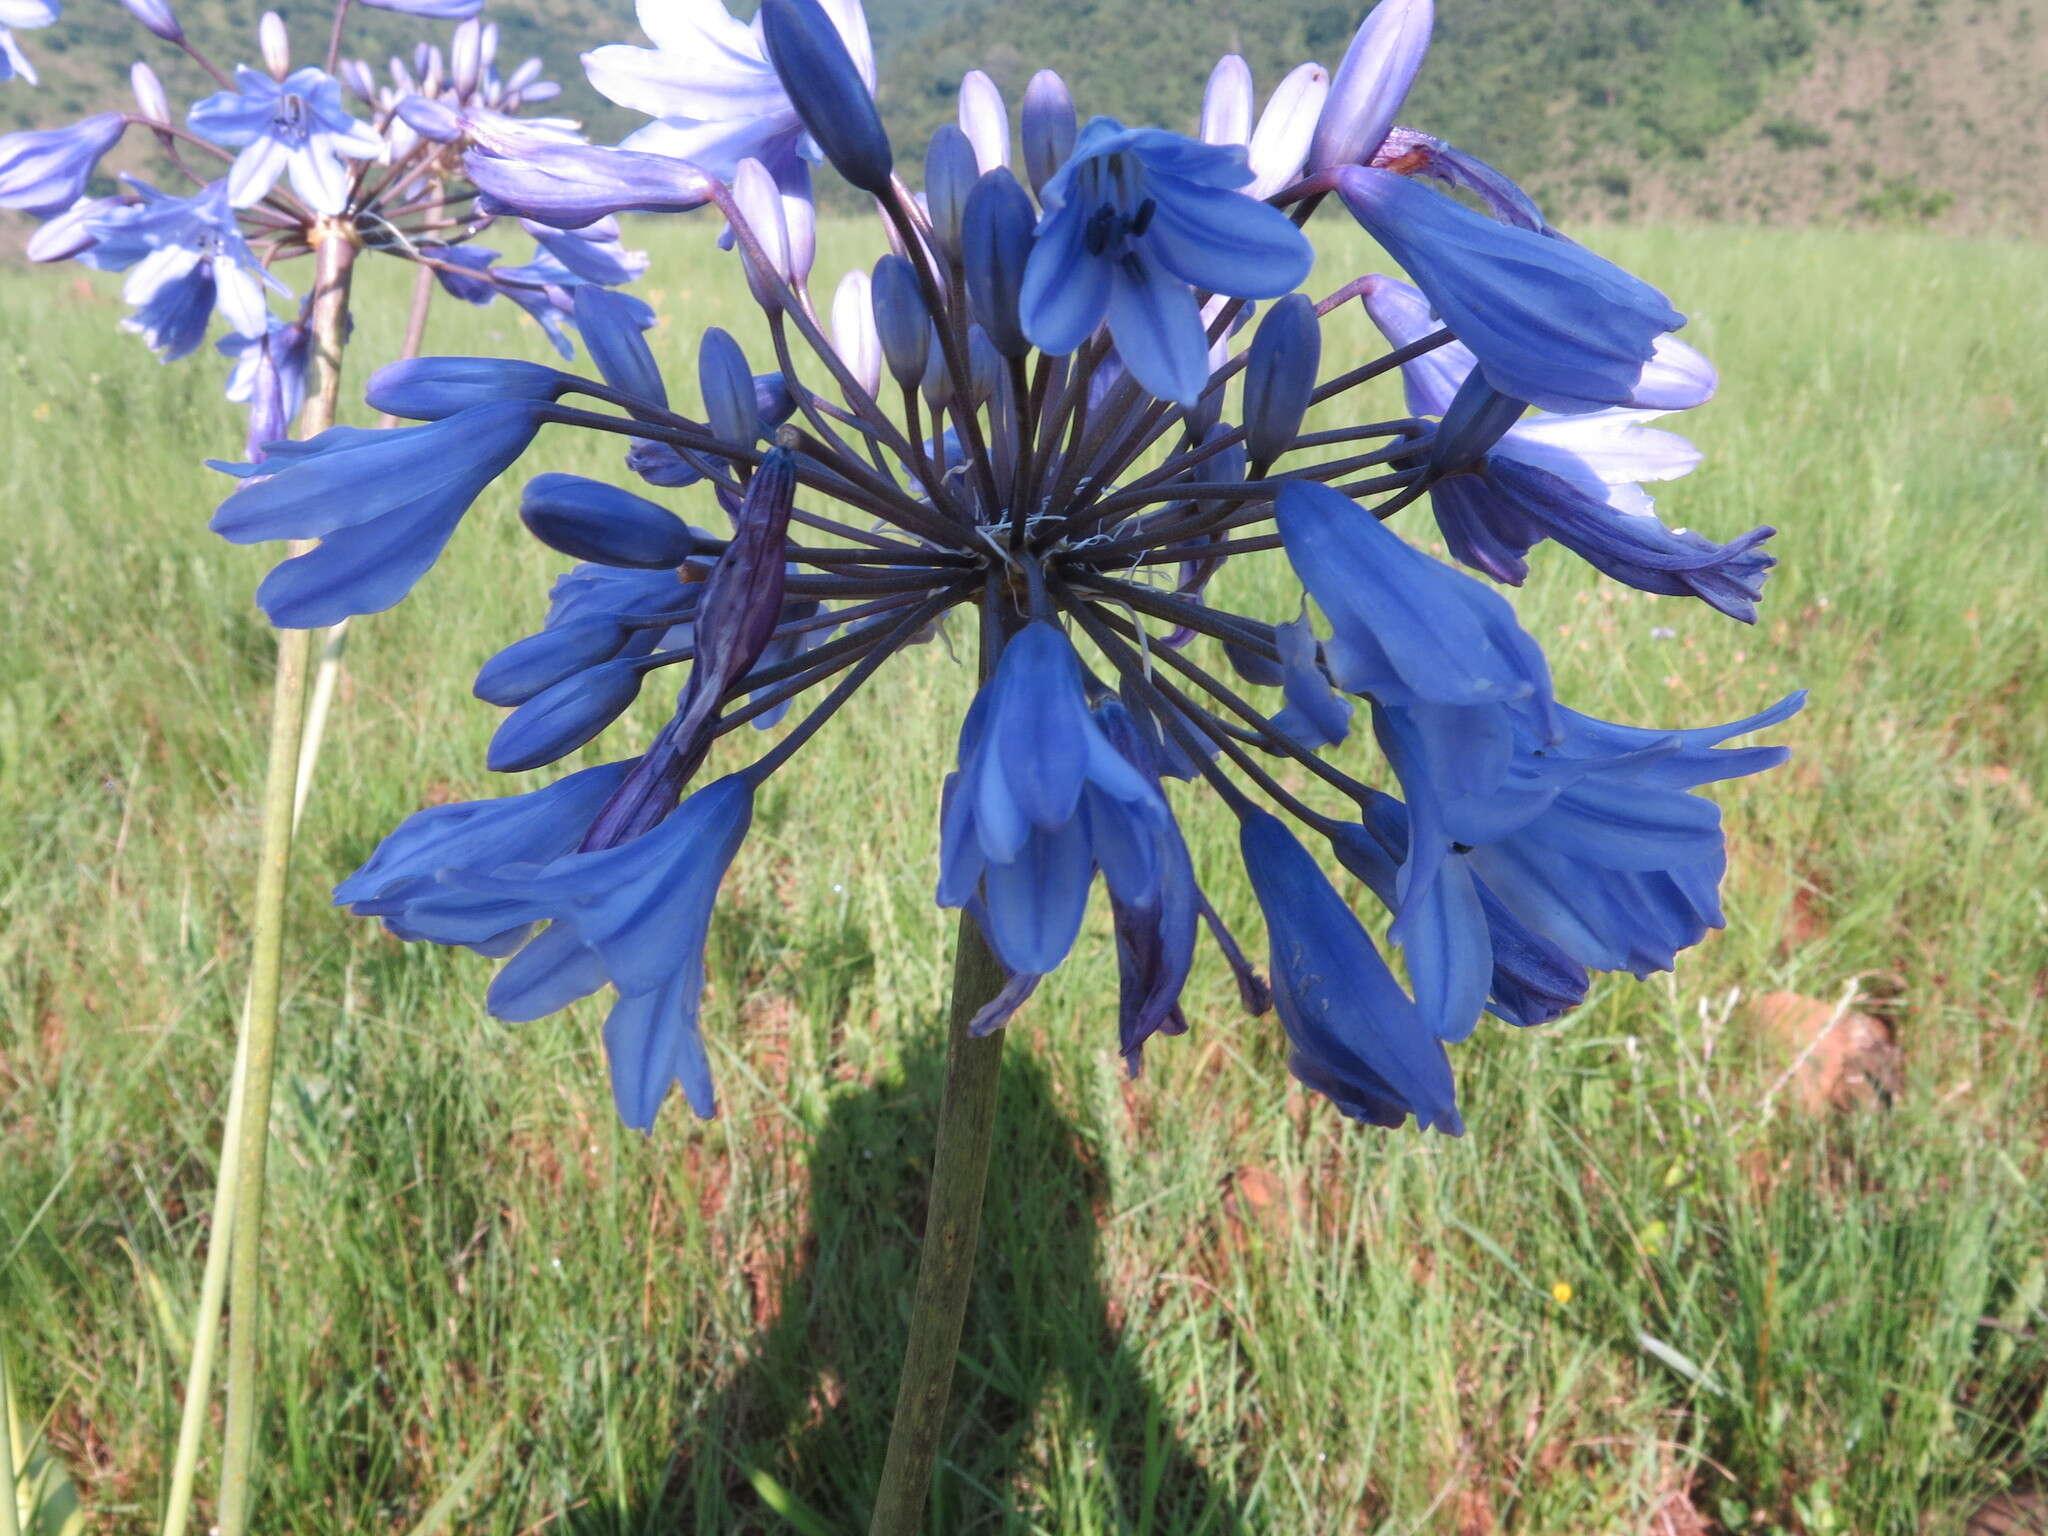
{"points": [[434, 120], [158, 17], [1371, 83], [995, 243], [1050, 127], [571, 185], [1479, 416], [611, 325], [150, 100], [826, 88], [740, 606], [589, 520], [727, 385], [985, 120], [1279, 376], [949, 177], [901, 320]]}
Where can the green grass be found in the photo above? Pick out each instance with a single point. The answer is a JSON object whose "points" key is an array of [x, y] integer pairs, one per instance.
{"points": [[1206, 1303]]}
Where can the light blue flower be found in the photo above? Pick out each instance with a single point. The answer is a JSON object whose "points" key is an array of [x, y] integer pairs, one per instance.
{"points": [[21, 16], [297, 124], [1134, 223], [707, 83]]}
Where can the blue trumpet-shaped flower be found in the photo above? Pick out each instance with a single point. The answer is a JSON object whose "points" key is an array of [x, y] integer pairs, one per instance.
{"points": [[634, 916], [1572, 478], [1135, 221], [1357, 1037], [296, 124], [1040, 801], [44, 171], [184, 257], [382, 504], [1408, 629], [1549, 322]]}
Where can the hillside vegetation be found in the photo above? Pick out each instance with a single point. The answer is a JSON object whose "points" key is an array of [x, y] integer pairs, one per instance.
{"points": [[1780, 110]]}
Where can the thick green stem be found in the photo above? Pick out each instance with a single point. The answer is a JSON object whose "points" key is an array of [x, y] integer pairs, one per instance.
{"points": [[336, 251], [967, 1122]]}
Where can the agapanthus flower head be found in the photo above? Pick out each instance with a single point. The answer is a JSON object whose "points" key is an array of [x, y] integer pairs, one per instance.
{"points": [[1063, 403], [298, 165]]}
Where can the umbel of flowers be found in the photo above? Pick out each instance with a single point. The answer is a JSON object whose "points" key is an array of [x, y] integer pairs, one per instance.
{"points": [[281, 158], [1073, 392]]}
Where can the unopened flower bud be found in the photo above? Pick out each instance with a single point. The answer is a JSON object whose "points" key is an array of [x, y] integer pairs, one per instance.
{"points": [[158, 17], [1371, 83], [950, 172], [901, 320], [1279, 376], [590, 520], [826, 88], [275, 47], [853, 330], [150, 100], [760, 206], [727, 385], [1050, 127], [996, 239], [431, 119], [985, 120], [1280, 143], [465, 57], [1227, 102]]}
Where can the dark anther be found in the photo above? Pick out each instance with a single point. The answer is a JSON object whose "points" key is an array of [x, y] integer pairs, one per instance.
{"points": [[1143, 219], [1102, 227]]}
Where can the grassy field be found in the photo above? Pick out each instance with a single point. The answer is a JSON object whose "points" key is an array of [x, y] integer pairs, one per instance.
{"points": [[1650, 1291]]}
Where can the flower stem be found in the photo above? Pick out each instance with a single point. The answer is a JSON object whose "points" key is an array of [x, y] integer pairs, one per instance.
{"points": [[336, 250], [213, 1285], [967, 1115]]}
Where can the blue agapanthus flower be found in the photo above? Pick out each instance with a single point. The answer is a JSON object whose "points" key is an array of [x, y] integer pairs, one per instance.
{"points": [[21, 16], [1053, 407], [300, 164], [297, 124]]}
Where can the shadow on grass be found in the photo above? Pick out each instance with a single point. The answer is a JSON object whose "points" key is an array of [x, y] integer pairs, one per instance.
{"points": [[1052, 1425]]}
